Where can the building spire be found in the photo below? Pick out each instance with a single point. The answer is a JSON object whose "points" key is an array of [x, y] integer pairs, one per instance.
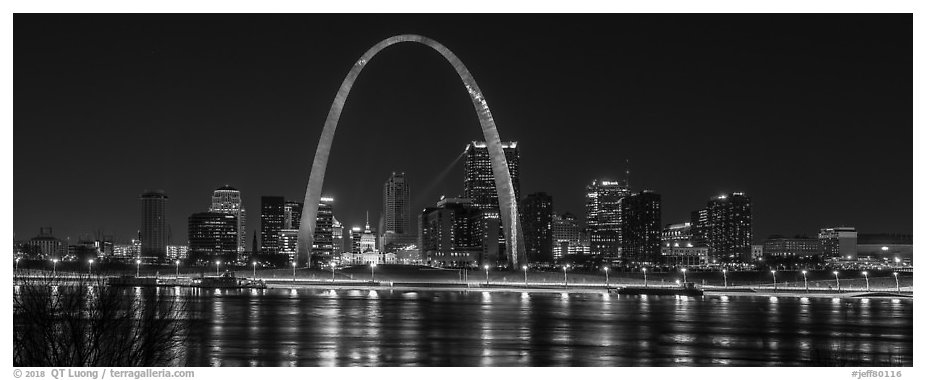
{"points": [[368, 221]]}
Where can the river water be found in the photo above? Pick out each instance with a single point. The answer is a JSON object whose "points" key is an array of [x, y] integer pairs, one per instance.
{"points": [[311, 327]]}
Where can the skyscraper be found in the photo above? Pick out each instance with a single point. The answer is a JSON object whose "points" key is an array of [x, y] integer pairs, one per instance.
{"points": [[603, 217], [227, 200], [271, 222], [566, 236], [396, 223], [724, 226], [641, 227], [537, 221], [322, 244], [479, 186], [292, 214], [213, 236], [396, 213], [153, 224]]}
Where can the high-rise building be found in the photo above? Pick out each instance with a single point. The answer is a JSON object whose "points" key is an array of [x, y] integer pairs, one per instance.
{"points": [[566, 236], [479, 186], [292, 213], [396, 222], [271, 222], [641, 227], [153, 225], [838, 242], [396, 211], [724, 226], [337, 238], [451, 234], [603, 218], [322, 248], [227, 200], [287, 243], [213, 236], [537, 222]]}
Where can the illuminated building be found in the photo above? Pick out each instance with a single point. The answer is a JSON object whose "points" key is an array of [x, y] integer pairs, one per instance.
{"points": [[724, 226], [451, 234], [213, 236], [838, 242], [287, 242], [337, 238], [178, 252], [322, 244], [271, 222], [153, 225], [227, 200], [781, 249], [566, 236], [479, 186], [641, 227], [602, 216], [537, 223]]}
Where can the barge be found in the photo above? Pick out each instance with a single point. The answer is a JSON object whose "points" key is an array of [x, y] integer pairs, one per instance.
{"points": [[685, 289]]}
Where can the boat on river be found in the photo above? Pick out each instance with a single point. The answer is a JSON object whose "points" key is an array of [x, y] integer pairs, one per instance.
{"points": [[684, 289]]}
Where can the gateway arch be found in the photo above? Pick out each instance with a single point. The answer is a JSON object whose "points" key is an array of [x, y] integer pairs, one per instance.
{"points": [[508, 204]]}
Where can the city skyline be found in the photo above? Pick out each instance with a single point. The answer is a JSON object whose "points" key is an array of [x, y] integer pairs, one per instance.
{"points": [[822, 182]]}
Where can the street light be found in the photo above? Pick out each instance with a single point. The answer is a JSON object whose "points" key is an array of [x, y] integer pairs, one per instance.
{"points": [[774, 280], [373, 271], [867, 286], [644, 278], [684, 277], [17, 264], [217, 267], [724, 278], [90, 269], [177, 263], [525, 275], [294, 272], [254, 269], [836, 272], [54, 264], [137, 267], [897, 281], [804, 272], [487, 274], [607, 282]]}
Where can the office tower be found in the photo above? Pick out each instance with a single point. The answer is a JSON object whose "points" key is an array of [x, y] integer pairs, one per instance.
{"points": [[724, 226], [396, 212], [479, 186], [641, 227], [178, 252], [566, 236], [271, 222], [213, 236], [602, 216], [227, 200], [537, 221], [452, 234], [153, 225], [322, 243], [287, 243], [292, 213], [677, 235], [838, 242], [337, 238], [396, 222]]}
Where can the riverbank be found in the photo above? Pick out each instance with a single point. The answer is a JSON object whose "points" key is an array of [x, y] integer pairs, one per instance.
{"points": [[538, 288]]}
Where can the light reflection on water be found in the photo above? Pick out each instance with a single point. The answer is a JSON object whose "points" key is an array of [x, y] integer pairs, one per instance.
{"points": [[285, 327]]}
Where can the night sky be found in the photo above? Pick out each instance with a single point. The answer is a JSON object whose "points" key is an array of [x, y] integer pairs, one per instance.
{"points": [[810, 115]]}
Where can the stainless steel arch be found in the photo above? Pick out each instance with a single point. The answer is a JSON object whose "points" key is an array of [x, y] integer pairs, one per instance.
{"points": [[508, 206]]}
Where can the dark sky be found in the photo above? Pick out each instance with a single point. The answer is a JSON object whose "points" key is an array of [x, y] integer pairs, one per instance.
{"points": [[811, 115]]}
